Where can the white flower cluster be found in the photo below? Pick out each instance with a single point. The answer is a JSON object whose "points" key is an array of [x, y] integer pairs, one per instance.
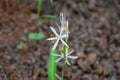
{"points": [[61, 37]]}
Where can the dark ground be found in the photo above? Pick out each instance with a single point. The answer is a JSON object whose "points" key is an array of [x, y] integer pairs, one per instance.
{"points": [[94, 34]]}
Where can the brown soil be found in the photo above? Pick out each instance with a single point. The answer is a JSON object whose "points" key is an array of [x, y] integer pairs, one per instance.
{"points": [[94, 34]]}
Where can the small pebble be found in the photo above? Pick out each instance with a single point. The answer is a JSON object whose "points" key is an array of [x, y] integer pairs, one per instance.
{"points": [[91, 58], [84, 65], [87, 77]]}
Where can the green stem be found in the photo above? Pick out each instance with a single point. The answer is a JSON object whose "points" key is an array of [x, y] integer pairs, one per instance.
{"points": [[39, 7], [64, 64], [64, 53]]}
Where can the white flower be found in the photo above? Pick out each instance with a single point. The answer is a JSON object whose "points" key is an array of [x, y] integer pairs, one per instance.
{"points": [[58, 37], [67, 55]]}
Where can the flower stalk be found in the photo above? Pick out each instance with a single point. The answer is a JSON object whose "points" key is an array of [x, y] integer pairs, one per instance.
{"points": [[62, 39]]}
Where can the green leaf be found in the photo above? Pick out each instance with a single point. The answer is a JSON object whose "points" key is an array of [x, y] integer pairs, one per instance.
{"points": [[48, 16], [36, 36], [31, 36], [39, 7], [51, 2], [40, 36], [52, 66]]}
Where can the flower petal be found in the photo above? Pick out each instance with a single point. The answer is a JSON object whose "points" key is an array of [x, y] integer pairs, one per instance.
{"points": [[54, 31], [70, 52], [67, 62], [64, 42], [58, 77], [55, 45], [58, 59], [58, 26], [56, 55], [64, 36], [72, 57], [52, 38]]}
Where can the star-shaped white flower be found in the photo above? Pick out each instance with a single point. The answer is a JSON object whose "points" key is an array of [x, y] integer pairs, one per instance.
{"points": [[58, 37], [67, 55]]}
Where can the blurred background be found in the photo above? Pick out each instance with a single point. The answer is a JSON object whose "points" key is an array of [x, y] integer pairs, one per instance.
{"points": [[94, 35]]}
